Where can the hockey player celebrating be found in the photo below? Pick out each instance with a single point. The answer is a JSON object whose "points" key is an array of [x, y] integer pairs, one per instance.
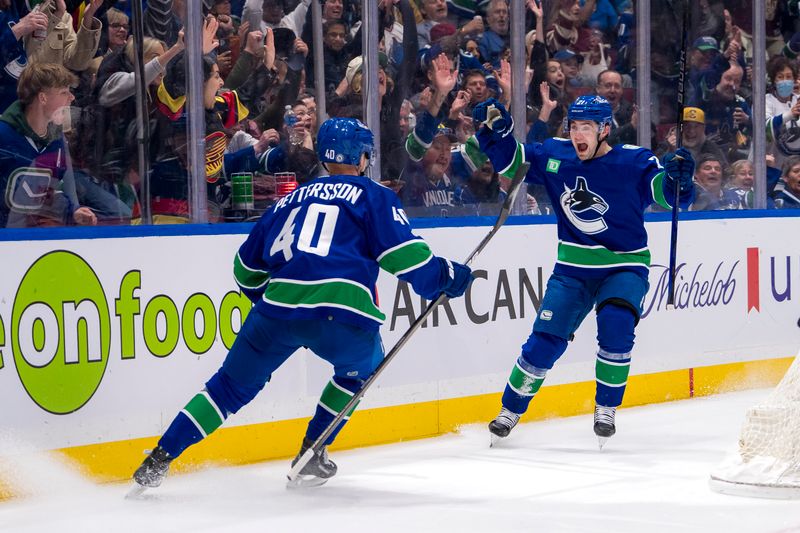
{"points": [[603, 261], [310, 266]]}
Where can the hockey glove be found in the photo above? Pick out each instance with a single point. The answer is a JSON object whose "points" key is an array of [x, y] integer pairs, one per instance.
{"points": [[457, 280], [679, 168], [494, 115]]}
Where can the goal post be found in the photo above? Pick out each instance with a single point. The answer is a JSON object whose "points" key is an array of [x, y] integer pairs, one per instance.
{"points": [[767, 464]]}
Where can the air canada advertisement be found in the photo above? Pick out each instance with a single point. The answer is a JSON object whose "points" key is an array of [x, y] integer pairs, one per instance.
{"points": [[96, 331]]}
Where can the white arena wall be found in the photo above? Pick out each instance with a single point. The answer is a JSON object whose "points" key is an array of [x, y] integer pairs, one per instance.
{"points": [[103, 340]]}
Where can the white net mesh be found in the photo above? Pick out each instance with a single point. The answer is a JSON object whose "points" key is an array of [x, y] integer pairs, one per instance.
{"points": [[769, 445]]}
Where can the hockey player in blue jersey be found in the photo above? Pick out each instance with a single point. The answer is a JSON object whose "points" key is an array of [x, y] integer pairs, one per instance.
{"points": [[310, 266], [600, 193]]}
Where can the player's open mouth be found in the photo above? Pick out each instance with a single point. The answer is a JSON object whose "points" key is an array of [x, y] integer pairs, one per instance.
{"points": [[582, 147]]}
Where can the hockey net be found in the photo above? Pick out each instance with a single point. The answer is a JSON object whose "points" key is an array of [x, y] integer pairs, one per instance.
{"points": [[768, 462]]}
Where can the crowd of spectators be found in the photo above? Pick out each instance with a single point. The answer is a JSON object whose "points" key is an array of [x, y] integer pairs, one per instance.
{"points": [[69, 104]]}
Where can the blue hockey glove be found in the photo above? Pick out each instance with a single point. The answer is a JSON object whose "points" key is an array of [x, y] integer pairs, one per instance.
{"points": [[458, 278], [494, 115], [679, 166]]}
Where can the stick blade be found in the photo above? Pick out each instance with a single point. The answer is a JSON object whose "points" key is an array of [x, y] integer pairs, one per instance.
{"points": [[294, 472]]}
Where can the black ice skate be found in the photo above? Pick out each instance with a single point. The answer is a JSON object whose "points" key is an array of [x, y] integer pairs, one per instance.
{"points": [[500, 427], [317, 471], [151, 472], [604, 426]]}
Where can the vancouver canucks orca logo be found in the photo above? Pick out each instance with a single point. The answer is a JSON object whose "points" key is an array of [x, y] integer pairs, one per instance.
{"points": [[578, 201]]}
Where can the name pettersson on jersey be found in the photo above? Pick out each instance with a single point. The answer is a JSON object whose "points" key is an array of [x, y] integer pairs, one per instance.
{"points": [[323, 191]]}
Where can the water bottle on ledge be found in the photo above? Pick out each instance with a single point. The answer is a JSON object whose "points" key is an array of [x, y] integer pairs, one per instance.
{"points": [[290, 121]]}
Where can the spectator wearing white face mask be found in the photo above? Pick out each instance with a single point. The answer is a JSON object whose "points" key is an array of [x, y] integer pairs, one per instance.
{"points": [[782, 110]]}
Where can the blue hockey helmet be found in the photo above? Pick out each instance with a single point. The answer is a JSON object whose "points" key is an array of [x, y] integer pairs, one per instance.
{"points": [[590, 107], [343, 141]]}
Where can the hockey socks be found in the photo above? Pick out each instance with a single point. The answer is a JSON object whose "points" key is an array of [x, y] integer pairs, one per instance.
{"points": [[611, 371], [334, 397], [196, 421], [523, 384]]}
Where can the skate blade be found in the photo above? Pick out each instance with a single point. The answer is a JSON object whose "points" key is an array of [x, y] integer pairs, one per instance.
{"points": [[135, 491], [305, 482], [494, 439], [601, 441]]}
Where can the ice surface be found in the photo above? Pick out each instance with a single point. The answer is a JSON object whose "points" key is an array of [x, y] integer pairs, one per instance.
{"points": [[547, 476]]}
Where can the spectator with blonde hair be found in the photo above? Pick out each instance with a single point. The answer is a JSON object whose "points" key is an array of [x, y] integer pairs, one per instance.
{"points": [[35, 168], [117, 30], [116, 79], [741, 182]]}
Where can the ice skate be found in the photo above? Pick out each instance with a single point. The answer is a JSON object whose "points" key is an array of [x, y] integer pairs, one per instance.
{"points": [[317, 471], [604, 426], [151, 472], [500, 427]]}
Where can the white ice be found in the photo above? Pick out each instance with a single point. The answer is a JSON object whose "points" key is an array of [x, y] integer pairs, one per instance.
{"points": [[547, 476]]}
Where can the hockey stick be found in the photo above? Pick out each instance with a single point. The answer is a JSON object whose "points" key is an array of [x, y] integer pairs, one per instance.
{"points": [[673, 239], [505, 210]]}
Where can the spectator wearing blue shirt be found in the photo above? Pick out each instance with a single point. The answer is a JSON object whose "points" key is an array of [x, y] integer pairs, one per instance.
{"points": [[496, 39], [605, 17]]}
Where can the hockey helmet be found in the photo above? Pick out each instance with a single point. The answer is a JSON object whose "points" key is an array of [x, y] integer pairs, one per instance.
{"points": [[343, 141], [590, 107]]}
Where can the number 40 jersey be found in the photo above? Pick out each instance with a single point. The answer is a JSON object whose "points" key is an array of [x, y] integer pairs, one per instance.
{"points": [[316, 253]]}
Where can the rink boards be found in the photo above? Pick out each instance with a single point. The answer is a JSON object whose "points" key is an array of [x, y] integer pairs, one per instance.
{"points": [[103, 340]]}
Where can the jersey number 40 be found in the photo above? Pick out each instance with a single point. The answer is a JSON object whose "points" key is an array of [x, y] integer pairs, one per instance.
{"points": [[283, 242]]}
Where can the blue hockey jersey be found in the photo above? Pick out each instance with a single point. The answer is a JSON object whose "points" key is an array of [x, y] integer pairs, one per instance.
{"points": [[316, 253], [599, 203]]}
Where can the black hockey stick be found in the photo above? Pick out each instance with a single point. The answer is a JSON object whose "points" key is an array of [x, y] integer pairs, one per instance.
{"points": [[513, 189], [673, 239]]}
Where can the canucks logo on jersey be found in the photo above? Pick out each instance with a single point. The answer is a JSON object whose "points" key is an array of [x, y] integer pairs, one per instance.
{"points": [[581, 206]]}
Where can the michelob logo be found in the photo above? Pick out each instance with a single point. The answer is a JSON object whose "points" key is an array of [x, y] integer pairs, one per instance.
{"points": [[60, 332]]}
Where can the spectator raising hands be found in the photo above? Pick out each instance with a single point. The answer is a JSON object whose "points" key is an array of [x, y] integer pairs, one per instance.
{"points": [[443, 80], [503, 77], [210, 41]]}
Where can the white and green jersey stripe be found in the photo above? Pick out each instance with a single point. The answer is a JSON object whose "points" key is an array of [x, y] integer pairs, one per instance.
{"points": [[339, 293], [416, 147], [405, 257], [597, 256], [657, 190], [246, 277]]}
